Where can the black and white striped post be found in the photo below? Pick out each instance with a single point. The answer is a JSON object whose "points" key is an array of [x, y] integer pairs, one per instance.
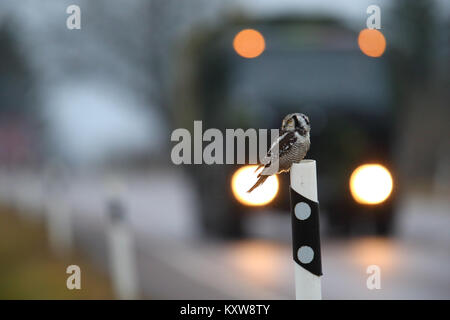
{"points": [[305, 231]]}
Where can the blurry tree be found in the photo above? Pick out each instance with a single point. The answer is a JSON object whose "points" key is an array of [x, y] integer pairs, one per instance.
{"points": [[420, 33], [140, 40], [130, 45], [17, 125], [415, 28], [15, 76]]}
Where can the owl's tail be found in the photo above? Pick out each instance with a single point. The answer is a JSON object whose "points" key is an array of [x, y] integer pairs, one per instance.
{"points": [[258, 183]]}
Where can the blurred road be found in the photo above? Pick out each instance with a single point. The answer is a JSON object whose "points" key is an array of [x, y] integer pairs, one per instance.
{"points": [[174, 261]]}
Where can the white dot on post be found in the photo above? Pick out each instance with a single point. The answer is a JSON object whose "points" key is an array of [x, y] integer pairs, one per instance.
{"points": [[305, 254], [302, 210]]}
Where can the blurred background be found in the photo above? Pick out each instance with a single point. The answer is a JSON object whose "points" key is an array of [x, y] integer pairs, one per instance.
{"points": [[86, 176]]}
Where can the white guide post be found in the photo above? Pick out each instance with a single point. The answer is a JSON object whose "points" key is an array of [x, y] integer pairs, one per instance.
{"points": [[122, 255], [59, 226], [305, 228]]}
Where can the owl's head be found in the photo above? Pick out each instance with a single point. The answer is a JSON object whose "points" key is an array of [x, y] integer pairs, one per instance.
{"points": [[296, 122]]}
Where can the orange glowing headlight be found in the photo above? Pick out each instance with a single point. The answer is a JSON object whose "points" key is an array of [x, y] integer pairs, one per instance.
{"points": [[244, 178]]}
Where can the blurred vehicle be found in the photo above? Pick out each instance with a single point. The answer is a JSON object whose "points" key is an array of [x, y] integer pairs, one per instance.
{"points": [[311, 65]]}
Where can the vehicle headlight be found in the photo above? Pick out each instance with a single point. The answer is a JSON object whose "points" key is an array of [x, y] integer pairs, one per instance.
{"points": [[371, 184], [244, 178]]}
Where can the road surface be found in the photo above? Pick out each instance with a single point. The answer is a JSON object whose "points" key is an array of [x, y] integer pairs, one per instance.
{"points": [[175, 261]]}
